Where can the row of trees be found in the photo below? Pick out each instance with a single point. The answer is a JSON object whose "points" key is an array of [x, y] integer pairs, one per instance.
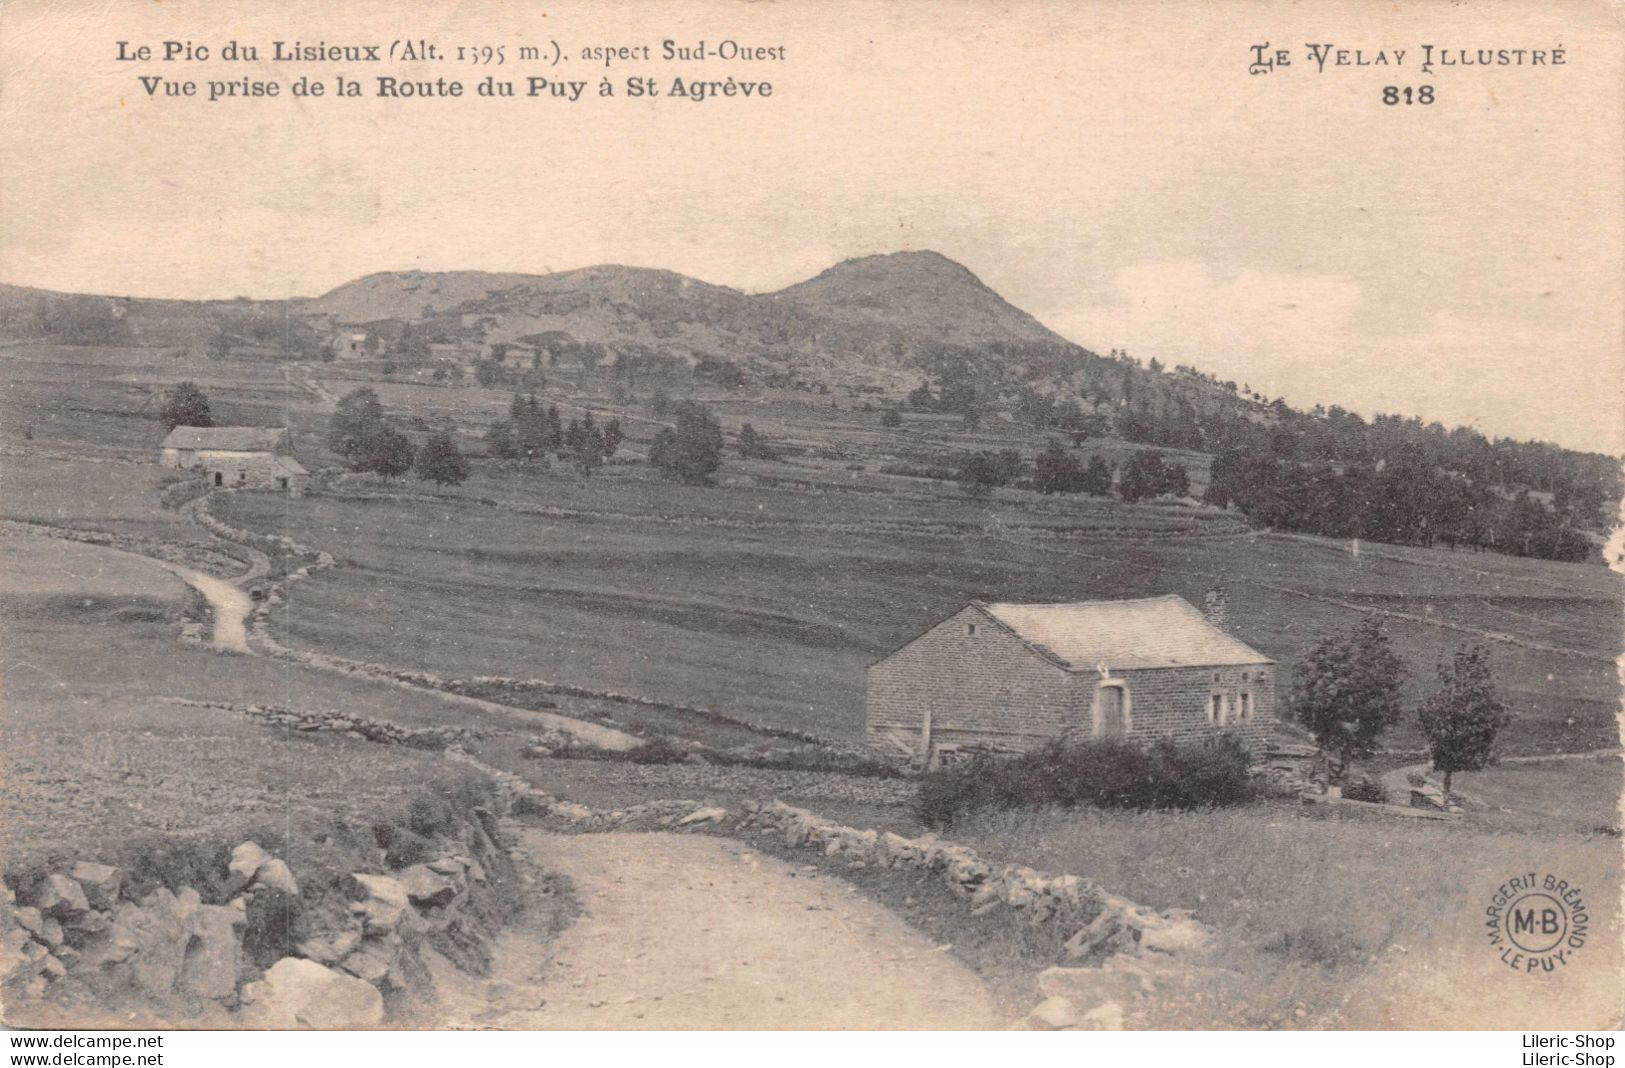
{"points": [[1406, 500], [1346, 691], [1145, 475], [531, 433], [359, 432]]}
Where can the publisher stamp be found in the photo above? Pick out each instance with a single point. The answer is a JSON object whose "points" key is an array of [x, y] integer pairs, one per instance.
{"points": [[1536, 922]]}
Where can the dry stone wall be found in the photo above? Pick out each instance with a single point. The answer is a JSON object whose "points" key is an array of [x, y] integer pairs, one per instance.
{"points": [[80, 946]]}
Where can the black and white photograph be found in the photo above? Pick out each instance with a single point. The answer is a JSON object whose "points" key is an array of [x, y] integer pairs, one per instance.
{"points": [[810, 516]]}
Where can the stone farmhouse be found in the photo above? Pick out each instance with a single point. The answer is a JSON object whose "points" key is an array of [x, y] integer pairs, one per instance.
{"points": [[351, 345], [1009, 677], [246, 457]]}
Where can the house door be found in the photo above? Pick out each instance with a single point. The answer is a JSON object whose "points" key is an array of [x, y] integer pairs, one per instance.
{"points": [[1110, 718], [218, 478]]}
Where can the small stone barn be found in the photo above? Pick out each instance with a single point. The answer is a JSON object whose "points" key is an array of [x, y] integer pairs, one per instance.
{"points": [[246, 457], [1008, 677]]}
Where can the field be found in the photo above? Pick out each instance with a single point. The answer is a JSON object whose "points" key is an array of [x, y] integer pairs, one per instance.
{"points": [[767, 602], [764, 597], [95, 752]]}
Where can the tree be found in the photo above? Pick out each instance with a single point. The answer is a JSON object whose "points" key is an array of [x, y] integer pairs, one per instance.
{"points": [[980, 471], [891, 417], [1463, 717], [752, 446], [1147, 475], [488, 373], [1056, 471], [384, 451], [1097, 478], [692, 449], [219, 344], [357, 414], [1346, 691], [440, 461], [613, 436], [499, 443], [185, 405]]}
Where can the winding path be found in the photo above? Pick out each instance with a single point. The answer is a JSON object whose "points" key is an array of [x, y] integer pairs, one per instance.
{"points": [[694, 932], [229, 604]]}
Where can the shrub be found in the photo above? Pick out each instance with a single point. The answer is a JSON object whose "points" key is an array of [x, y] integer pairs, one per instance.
{"points": [[1101, 774], [658, 750], [1366, 789]]}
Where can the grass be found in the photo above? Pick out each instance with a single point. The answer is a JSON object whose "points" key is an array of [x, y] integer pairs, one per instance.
{"points": [[1554, 797], [1312, 908], [671, 593], [93, 751]]}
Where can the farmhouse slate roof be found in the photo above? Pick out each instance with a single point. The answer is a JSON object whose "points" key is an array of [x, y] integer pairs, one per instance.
{"points": [[230, 438], [1150, 632], [289, 465]]}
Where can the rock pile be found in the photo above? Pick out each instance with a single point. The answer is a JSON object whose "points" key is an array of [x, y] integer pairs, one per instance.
{"points": [[77, 938]]}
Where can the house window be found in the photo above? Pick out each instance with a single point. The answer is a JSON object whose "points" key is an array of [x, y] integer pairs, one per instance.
{"points": [[1113, 712], [949, 755], [970, 630], [1215, 708], [1246, 710]]}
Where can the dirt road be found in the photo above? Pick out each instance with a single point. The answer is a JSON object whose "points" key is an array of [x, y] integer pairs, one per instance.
{"points": [[229, 604], [694, 932]]}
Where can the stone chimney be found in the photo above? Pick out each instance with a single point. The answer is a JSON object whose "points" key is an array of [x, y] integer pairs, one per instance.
{"points": [[1216, 606]]}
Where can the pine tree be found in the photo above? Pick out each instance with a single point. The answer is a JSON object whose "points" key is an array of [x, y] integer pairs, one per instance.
{"points": [[499, 442], [691, 450], [440, 461]]}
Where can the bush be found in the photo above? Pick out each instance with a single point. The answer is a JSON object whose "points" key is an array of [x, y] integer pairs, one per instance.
{"points": [[658, 750], [1366, 789], [1100, 774]]}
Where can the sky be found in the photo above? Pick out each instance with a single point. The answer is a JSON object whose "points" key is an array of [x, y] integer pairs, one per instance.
{"points": [[1111, 168]]}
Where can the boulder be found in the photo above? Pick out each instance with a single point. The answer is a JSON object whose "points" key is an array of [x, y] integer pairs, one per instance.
{"points": [[274, 873], [161, 929], [100, 882], [1053, 1014], [1107, 1017], [47, 929], [75, 929], [1173, 932], [59, 896], [210, 965], [384, 903], [451, 866], [427, 888], [710, 814], [245, 863], [1092, 986], [1109, 933], [298, 993], [17, 966]]}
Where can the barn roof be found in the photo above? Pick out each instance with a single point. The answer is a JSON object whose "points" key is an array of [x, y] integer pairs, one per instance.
{"points": [[291, 466], [1149, 632], [233, 438]]}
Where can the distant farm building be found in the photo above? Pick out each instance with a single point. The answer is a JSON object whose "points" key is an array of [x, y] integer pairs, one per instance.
{"points": [[350, 345], [1009, 677], [245, 457], [514, 356]]}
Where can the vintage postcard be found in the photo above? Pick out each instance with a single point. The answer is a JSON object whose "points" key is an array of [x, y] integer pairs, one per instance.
{"points": [[818, 515]]}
